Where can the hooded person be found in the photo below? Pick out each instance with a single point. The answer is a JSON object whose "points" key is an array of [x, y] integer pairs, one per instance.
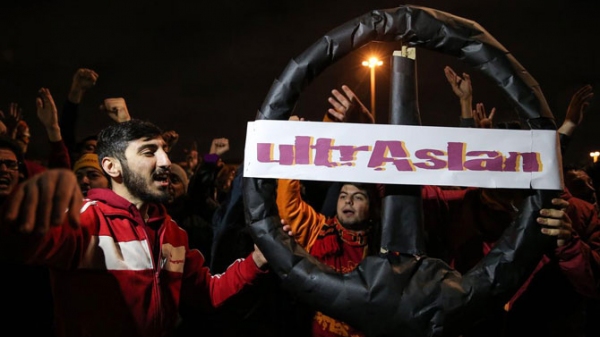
{"points": [[178, 181]]}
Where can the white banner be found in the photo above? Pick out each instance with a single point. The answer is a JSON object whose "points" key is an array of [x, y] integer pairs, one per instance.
{"points": [[401, 154]]}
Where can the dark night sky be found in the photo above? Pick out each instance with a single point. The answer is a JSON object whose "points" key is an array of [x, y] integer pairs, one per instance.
{"points": [[204, 68]]}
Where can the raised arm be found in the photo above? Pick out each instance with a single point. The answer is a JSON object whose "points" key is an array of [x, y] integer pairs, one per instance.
{"points": [[482, 119], [219, 146], [83, 80], [575, 113], [116, 108], [461, 86], [347, 107], [48, 116], [576, 110], [11, 119]]}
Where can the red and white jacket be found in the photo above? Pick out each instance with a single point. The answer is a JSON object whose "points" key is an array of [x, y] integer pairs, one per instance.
{"points": [[109, 279]]}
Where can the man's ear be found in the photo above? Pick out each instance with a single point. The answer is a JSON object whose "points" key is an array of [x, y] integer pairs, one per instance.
{"points": [[112, 166]]}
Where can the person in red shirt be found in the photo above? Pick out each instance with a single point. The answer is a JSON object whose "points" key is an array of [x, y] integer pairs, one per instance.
{"points": [[119, 264]]}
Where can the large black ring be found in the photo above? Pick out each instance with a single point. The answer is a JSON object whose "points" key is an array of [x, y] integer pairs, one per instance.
{"points": [[410, 296]]}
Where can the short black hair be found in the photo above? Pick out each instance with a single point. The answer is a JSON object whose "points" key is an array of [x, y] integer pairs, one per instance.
{"points": [[373, 194], [81, 143], [113, 140]]}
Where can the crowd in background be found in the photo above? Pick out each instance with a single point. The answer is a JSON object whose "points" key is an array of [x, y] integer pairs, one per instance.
{"points": [[462, 223]]}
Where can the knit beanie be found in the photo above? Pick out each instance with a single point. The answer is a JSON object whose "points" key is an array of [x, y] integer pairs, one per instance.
{"points": [[87, 160], [180, 172]]}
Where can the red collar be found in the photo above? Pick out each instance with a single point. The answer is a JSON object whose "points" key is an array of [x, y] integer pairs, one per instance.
{"points": [[352, 237]]}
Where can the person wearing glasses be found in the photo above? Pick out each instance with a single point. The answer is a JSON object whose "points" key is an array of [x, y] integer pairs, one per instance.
{"points": [[19, 293]]}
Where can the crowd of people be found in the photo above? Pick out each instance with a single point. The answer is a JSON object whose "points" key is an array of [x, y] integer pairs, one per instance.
{"points": [[107, 236]]}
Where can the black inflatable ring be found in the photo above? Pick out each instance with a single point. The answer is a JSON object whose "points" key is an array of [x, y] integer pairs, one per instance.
{"points": [[410, 296]]}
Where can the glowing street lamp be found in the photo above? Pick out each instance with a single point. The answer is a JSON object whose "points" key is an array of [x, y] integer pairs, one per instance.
{"points": [[595, 155], [372, 63]]}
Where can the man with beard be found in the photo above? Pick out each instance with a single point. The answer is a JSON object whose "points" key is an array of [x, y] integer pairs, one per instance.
{"points": [[120, 265]]}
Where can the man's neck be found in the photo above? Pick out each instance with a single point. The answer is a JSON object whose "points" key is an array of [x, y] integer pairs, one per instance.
{"points": [[123, 192], [144, 211]]}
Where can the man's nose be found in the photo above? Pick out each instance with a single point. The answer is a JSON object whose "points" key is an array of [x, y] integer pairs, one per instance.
{"points": [[163, 159]]}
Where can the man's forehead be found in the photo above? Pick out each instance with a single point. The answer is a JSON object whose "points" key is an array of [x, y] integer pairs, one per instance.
{"points": [[140, 142], [88, 169], [349, 188], [7, 154]]}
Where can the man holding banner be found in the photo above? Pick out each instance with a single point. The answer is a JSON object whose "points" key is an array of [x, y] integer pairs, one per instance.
{"points": [[344, 240]]}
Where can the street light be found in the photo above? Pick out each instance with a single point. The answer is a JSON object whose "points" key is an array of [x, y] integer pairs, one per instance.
{"points": [[372, 63], [595, 155]]}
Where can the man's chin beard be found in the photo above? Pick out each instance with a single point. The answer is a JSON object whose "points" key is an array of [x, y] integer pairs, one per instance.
{"points": [[142, 190], [162, 197]]}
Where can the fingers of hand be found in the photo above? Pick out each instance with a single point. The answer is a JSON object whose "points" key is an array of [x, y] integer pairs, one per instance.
{"points": [[450, 74], [349, 93], [114, 104], [90, 75], [74, 206], [46, 95], [48, 200], [552, 213], [41, 202], [562, 234], [12, 206], [61, 197], [550, 226], [551, 231], [13, 108], [337, 106], [336, 115], [560, 203], [342, 99], [553, 224], [30, 208], [286, 228], [584, 106], [584, 90]]}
